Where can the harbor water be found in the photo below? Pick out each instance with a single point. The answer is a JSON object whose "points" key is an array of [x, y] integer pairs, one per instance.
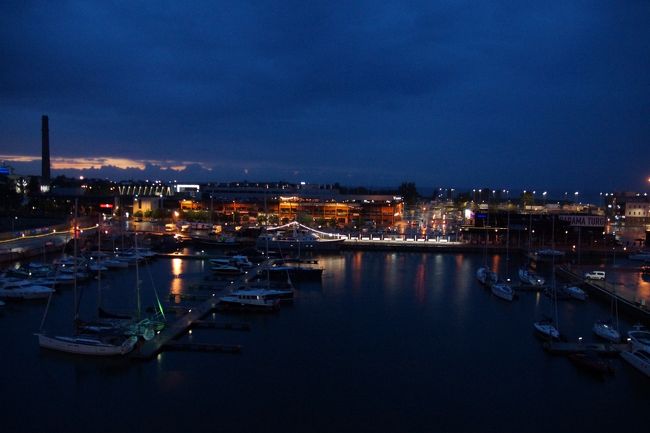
{"points": [[387, 342]]}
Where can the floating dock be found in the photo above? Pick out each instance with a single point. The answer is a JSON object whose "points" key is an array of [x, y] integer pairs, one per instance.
{"points": [[211, 324], [173, 331], [557, 347], [193, 318], [198, 347]]}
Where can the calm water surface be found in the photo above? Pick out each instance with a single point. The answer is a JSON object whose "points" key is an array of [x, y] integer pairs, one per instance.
{"points": [[389, 342]]}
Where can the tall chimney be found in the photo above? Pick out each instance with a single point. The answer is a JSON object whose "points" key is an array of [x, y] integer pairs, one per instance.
{"points": [[45, 157]]}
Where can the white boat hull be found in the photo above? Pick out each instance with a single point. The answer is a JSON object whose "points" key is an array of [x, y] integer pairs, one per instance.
{"points": [[86, 346], [533, 279], [486, 276], [640, 339], [547, 330], [26, 293], [638, 359], [576, 293], [503, 291], [607, 332]]}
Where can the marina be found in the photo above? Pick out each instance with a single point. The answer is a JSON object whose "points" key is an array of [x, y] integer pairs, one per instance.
{"points": [[435, 298], [324, 217]]}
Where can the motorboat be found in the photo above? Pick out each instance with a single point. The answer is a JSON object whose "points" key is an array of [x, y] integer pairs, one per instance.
{"points": [[486, 276], [16, 289], [241, 262], [640, 338], [225, 269], [575, 292], [546, 329], [280, 270], [640, 359], [96, 267], [604, 329], [115, 263], [283, 294], [503, 291], [529, 277], [89, 344], [253, 300]]}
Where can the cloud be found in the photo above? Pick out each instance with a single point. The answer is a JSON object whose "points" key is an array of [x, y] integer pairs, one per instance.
{"points": [[443, 91]]}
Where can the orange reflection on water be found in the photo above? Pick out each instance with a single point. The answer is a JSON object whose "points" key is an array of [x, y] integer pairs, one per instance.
{"points": [[643, 288], [177, 267], [496, 261], [356, 269], [419, 281]]}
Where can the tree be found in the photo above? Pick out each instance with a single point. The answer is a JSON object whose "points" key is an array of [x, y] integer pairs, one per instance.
{"points": [[527, 198]]}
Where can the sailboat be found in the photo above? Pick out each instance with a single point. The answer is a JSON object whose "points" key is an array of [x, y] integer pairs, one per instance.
{"points": [[79, 343], [123, 324], [546, 328], [605, 329], [484, 274], [502, 289]]}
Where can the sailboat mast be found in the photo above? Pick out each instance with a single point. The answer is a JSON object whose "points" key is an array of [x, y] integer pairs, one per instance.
{"points": [[74, 266], [99, 270], [508, 244], [557, 319], [137, 273]]}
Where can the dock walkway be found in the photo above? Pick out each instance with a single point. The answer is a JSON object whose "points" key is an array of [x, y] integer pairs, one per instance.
{"points": [[193, 317], [152, 347], [558, 347]]}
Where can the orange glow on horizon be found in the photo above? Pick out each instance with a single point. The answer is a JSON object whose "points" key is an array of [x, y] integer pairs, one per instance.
{"points": [[98, 162]]}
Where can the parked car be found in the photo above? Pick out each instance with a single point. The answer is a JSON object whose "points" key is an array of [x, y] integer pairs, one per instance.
{"points": [[595, 275]]}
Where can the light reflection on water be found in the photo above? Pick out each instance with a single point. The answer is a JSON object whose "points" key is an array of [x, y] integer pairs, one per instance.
{"points": [[394, 334], [177, 270]]}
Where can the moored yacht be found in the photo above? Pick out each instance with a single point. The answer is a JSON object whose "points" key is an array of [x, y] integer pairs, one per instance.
{"points": [[503, 291], [546, 329], [640, 338], [253, 300], [16, 289], [640, 359], [225, 269], [575, 292], [529, 277], [486, 276], [606, 330], [89, 344]]}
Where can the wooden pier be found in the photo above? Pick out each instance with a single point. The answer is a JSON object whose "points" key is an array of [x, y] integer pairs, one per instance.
{"points": [[564, 348], [152, 347], [211, 324], [199, 347], [164, 339]]}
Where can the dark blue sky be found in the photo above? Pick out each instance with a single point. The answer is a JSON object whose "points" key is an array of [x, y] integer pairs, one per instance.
{"points": [[508, 94]]}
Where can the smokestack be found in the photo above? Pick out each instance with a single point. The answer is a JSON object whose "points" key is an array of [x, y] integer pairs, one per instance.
{"points": [[45, 157]]}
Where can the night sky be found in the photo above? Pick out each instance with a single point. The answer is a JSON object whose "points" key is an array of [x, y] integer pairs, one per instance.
{"points": [[506, 94]]}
